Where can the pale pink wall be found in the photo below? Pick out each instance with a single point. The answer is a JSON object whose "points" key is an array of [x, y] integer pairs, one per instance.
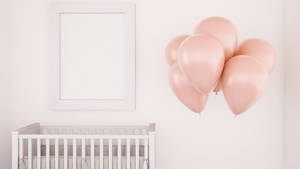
{"points": [[5, 99], [214, 140], [292, 85]]}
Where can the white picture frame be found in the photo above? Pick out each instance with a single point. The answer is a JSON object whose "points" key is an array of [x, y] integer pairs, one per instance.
{"points": [[76, 80]]}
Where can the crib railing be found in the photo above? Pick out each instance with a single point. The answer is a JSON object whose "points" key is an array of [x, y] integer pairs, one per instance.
{"points": [[30, 141]]}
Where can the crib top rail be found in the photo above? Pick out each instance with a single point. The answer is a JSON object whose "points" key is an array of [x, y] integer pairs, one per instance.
{"points": [[37, 129]]}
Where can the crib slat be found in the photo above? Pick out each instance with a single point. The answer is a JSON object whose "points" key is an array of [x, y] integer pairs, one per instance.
{"points": [[83, 153], [74, 153], [101, 153], [56, 153], [38, 153], [119, 153], [145, 149], [65, 154], [92, 154], [110, 154], [29, 153], [137, 153], [128, 153], [83, 148], [21, 155], [47, 153]]}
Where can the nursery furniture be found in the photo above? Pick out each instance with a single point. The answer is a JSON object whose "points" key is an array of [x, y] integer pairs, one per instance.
{"points": [[83, 147]]}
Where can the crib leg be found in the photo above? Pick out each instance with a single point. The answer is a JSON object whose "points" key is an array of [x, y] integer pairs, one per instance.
{"points": [[152, 147], [15, 152]]}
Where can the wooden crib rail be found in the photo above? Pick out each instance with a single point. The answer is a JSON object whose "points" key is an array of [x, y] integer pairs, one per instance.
{"points": [[30, 129], [36, 128]]}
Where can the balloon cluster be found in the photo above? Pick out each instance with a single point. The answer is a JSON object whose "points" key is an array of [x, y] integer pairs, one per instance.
{"points": [[209, 60]]}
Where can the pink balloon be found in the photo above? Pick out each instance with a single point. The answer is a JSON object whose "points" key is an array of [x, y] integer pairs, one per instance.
{"points": [[223, 30], [185, 92], [201, 59], [259, 49], [243, 82], [172, 47]]}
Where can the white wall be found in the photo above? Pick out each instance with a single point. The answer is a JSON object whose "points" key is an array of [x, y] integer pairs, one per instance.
{"points": [[214, 140], [5, 118], [292, 79]]}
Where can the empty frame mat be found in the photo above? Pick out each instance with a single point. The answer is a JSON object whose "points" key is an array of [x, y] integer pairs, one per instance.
{"points": [[92, 48]]}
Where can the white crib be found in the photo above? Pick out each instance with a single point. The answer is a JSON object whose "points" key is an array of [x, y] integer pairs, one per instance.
{"points": [[83, 147]]}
